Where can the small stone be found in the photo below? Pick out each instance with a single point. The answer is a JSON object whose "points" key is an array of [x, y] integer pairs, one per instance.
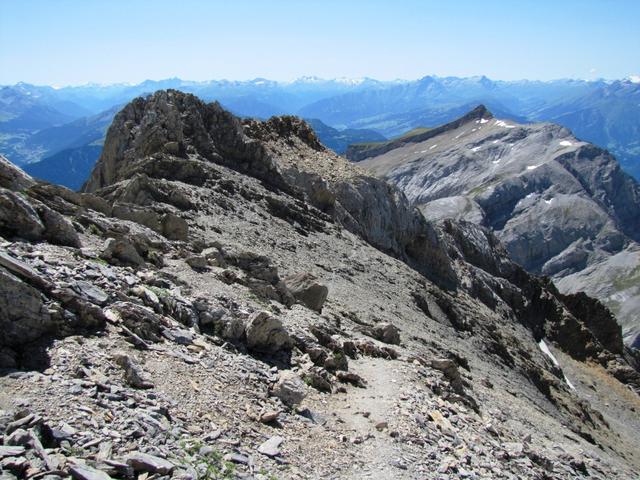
{"points": [[290, 389], [450, 370], [387, 333], [271, 447], [179, 335], [381, 426], [172, 148], [314, 378], [122, 250], [352, 378], [132, 373], [175, 228], [398, 464], [268, 417], [236, 458], [514, 449], [197, 262]]}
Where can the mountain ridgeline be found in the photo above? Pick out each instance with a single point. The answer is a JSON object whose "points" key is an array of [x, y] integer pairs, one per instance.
{"points": [[43, 123], [212, 262]]}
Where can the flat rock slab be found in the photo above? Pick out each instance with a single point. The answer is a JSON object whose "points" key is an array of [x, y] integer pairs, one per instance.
{"points": [[90, 292], [271, 448], [10, 451], [143, 462], [83, 472]]}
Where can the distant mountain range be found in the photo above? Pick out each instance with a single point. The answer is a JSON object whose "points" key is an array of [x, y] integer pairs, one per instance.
{"points": [[47, 124]]}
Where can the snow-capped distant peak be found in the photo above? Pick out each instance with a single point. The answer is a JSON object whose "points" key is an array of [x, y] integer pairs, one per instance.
{"points": [[634, 78], [309, 79], [350, 81], [340, 80]]}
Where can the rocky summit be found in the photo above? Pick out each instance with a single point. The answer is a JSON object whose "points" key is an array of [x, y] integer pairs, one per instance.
{"points": [[562, 207], [227, 298]]}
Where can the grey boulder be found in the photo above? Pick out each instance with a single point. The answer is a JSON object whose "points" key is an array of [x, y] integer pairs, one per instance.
{"points": [[306, 289], [266, 333]]}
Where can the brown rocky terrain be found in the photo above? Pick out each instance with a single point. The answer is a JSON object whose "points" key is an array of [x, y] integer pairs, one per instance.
{"points": [[229, 299]]}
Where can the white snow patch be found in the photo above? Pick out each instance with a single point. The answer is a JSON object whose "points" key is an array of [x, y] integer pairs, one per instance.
{"points": [[483, 120], [634, 78], [531, 195], [501, 123], [473, 129], [433, 146], [532, 167], [423, 151], [460, 134], [565, 143], [495, 141], [475, 149], [495, 162], [545, 349], [548, 202]]}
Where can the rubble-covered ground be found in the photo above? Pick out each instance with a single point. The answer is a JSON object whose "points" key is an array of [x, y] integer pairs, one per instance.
{"points": [[232, 301]]}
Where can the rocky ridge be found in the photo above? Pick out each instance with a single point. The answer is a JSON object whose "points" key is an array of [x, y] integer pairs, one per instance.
{"points": [[229, 299], [562, 207]]}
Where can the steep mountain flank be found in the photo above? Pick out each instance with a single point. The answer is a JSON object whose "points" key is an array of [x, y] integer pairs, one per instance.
{"points": [[228, 298], [339, 140], [69, 168], [562, 207]]}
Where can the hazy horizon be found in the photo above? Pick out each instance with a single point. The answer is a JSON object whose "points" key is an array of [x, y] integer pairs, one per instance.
{"points": [[70, 42], [633, 78]]}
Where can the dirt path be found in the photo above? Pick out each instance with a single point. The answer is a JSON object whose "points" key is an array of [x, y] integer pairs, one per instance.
{"points": [[362, 409]]}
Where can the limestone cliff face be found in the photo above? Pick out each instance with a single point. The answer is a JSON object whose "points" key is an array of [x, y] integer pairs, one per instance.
{"points": [[178, 124], [562, 207]]}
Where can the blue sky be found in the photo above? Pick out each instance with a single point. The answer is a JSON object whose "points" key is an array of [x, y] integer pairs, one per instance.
{"points": [[73, 41]]}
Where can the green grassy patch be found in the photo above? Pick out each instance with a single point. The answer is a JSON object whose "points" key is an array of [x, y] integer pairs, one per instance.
{"points": [[404, 136], [159, 291]]}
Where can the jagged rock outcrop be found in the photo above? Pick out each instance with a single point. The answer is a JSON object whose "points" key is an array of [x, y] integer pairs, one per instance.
{"points": [[430, 341], [561, 206]]}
